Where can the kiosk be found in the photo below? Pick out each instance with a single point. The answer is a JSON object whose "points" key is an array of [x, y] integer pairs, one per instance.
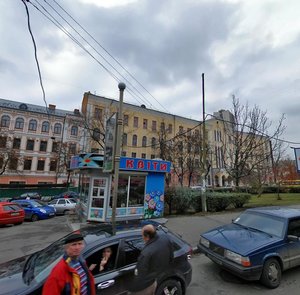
{"points": [[140, 188]]}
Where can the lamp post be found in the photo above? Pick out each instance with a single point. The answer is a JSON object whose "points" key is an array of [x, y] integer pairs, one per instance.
{"points": [[204, 155], [122, 87]]}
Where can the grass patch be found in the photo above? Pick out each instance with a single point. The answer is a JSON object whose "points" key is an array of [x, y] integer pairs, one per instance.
{"points": [[272, 200]]}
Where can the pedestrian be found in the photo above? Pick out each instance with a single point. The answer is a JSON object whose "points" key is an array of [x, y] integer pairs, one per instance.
{"points": [[71, 276], [154, 259]]}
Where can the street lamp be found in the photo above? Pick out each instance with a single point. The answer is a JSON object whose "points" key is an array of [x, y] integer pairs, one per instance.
{"points": [[122, 87]]}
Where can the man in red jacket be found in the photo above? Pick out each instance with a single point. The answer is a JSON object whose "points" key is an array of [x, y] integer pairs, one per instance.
{"points": [[71, 276]]}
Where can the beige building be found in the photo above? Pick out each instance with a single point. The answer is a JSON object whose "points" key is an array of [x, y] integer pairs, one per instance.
{"points": [[143, 131], [36, 142]]}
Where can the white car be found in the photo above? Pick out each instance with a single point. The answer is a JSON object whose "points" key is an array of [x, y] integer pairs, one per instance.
{"points": [[63, 205]]}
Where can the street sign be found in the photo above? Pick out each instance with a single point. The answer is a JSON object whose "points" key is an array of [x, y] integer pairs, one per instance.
{"points": [[297, 156], [110, 138]]}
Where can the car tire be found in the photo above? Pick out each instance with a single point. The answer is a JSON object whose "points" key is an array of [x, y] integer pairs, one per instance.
{"points": [[271, 274], [66, 212], [169, 287], [18, 223], [34, 218]]}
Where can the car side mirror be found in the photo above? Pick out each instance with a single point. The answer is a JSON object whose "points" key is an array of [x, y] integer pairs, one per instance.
{"points": [[293, 238]]}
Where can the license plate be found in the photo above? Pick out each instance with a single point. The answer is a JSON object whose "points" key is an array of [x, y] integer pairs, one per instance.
{"points": [[51, 214], [15, 214]]}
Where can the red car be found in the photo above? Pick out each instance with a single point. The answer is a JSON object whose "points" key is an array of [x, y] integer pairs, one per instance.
{"points": [[11, 213]]}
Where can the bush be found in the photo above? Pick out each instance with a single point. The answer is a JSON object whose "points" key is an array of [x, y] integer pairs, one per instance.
{"points": [[217, 201], [178, 199], [238, 200], [220, 201]]}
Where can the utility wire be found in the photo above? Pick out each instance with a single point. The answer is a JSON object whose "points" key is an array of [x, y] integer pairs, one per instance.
{"points": [[35, 55], [258, 131], [64, 30], [111, 55], [61, 27], [128, 82]]}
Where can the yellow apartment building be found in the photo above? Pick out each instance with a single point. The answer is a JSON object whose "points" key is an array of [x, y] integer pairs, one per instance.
{"points": [[144, 129]]}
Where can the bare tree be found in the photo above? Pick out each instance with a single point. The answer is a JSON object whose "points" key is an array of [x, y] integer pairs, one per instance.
{"points": [[64, 152], [246, 143], [96, 129], [184, 152], [278, 149], [10, 156]]}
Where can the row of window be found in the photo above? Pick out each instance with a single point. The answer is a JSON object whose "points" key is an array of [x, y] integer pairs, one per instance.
{"points": [[30, 145], [134, 155], [27, 164], [40, 165], [33, 124], [98, 114], [135, 140]]}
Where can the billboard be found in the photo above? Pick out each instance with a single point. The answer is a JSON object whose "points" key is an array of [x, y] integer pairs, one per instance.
{"points": [[297, 156]]}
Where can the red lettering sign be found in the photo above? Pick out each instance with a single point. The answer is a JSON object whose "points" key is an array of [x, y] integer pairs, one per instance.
{"points": [[155, 164], [140, 164], [163, 166], [129, 164]]}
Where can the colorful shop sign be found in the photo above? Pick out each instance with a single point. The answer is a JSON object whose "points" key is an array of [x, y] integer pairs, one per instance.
{"points": [[136, 164]]}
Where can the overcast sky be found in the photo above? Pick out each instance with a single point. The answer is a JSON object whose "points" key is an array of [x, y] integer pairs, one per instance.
{"points": [[246, 48]]}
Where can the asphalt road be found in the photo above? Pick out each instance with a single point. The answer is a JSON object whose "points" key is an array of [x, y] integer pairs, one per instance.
{"points": [[20, 240], [208, 278]]}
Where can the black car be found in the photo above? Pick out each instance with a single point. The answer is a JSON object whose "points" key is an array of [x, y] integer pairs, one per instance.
{"points": [[27, 275]]}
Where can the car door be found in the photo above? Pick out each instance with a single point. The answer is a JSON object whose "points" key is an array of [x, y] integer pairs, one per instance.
{"points": [[27, 208], [61, 205], [106, 282], [294, 246], [130, 249]]}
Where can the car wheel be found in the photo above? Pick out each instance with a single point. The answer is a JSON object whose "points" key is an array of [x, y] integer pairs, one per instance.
{"points": [[34, 217], [271, 274], [66, 212], [169, 287], [18, 223]]}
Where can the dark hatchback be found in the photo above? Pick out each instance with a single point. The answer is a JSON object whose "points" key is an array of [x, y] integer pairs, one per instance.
{"points": [[27, 275], [259, 244]]}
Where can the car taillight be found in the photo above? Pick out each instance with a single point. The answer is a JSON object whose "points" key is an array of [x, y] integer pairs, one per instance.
{"points": [[190, 253]]}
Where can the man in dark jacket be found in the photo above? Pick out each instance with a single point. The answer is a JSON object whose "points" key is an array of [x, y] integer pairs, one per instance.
{"points": [[156, 257], [70, 276]]}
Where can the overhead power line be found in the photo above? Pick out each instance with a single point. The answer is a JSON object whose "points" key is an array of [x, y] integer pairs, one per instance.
{"points": [[130, 87], [258, 131]]}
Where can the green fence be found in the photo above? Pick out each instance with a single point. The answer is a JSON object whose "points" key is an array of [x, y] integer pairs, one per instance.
{"points": [[44, 192]]}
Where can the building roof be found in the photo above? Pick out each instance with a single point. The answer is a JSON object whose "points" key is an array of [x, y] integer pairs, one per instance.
{"points": [[26, 107], [141, 108]]}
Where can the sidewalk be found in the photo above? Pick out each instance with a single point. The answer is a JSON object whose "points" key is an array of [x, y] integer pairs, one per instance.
{"points": [[189, 227]]}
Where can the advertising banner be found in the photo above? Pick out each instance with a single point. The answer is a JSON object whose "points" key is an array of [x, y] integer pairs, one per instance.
{"points": [[297, 156]]}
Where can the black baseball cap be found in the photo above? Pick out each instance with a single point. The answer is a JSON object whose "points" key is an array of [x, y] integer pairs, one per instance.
{"points": [[74, 237]]}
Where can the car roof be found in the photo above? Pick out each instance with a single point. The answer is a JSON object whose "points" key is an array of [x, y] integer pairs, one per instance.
{"points": [[7, 203], [283, 212], [95, 232]]}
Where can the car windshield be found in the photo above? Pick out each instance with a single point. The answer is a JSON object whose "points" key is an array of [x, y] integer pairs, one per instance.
{"points": [[36, 204], [40, 264], [271, 225]]}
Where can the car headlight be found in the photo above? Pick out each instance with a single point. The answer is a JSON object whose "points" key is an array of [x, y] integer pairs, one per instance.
{"points": [[237, 258], [43, 211], [204, 242]]}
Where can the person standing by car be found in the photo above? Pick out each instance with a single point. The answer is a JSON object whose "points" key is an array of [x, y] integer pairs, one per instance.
{"points": [[71, 276], [155, 258]]}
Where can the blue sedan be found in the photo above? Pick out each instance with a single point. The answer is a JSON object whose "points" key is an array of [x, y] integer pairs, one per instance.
{"points": [[35, 210], [258, 245]]}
